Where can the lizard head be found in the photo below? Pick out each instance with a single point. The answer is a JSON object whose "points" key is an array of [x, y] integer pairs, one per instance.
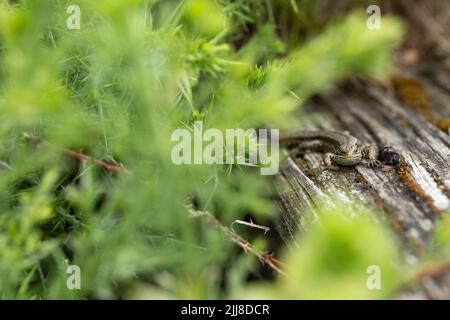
{"points": [[347, 155]]}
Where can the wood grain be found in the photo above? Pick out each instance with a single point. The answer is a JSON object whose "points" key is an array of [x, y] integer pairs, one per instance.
{"points": [[410, 196]]}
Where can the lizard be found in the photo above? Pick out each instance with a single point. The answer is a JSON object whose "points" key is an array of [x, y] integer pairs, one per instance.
{"points": [[343, 148]]}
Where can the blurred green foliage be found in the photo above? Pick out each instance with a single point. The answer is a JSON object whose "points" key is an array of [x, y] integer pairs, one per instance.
{"points": [[334, 260], [135, 71], [440, 242]]}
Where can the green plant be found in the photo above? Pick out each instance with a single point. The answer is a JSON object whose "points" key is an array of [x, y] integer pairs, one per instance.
{"points": [[115, 90]]}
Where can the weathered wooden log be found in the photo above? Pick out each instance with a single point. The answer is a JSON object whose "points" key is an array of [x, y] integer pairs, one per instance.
{"points": [[410, 196]]}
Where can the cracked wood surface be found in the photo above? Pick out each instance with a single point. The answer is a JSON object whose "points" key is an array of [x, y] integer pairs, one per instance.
{"points": [[410, 196]]}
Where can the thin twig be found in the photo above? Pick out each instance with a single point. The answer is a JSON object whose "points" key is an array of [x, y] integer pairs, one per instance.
{"points": [[77, 155], [264, 258], [251, 225], [431, 271]]}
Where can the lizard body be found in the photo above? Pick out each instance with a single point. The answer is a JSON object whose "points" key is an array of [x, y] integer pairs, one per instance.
{"points": [[345, 149]]}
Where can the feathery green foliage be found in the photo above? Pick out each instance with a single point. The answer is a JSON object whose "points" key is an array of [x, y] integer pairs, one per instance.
{"points": [[137, 70]]}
